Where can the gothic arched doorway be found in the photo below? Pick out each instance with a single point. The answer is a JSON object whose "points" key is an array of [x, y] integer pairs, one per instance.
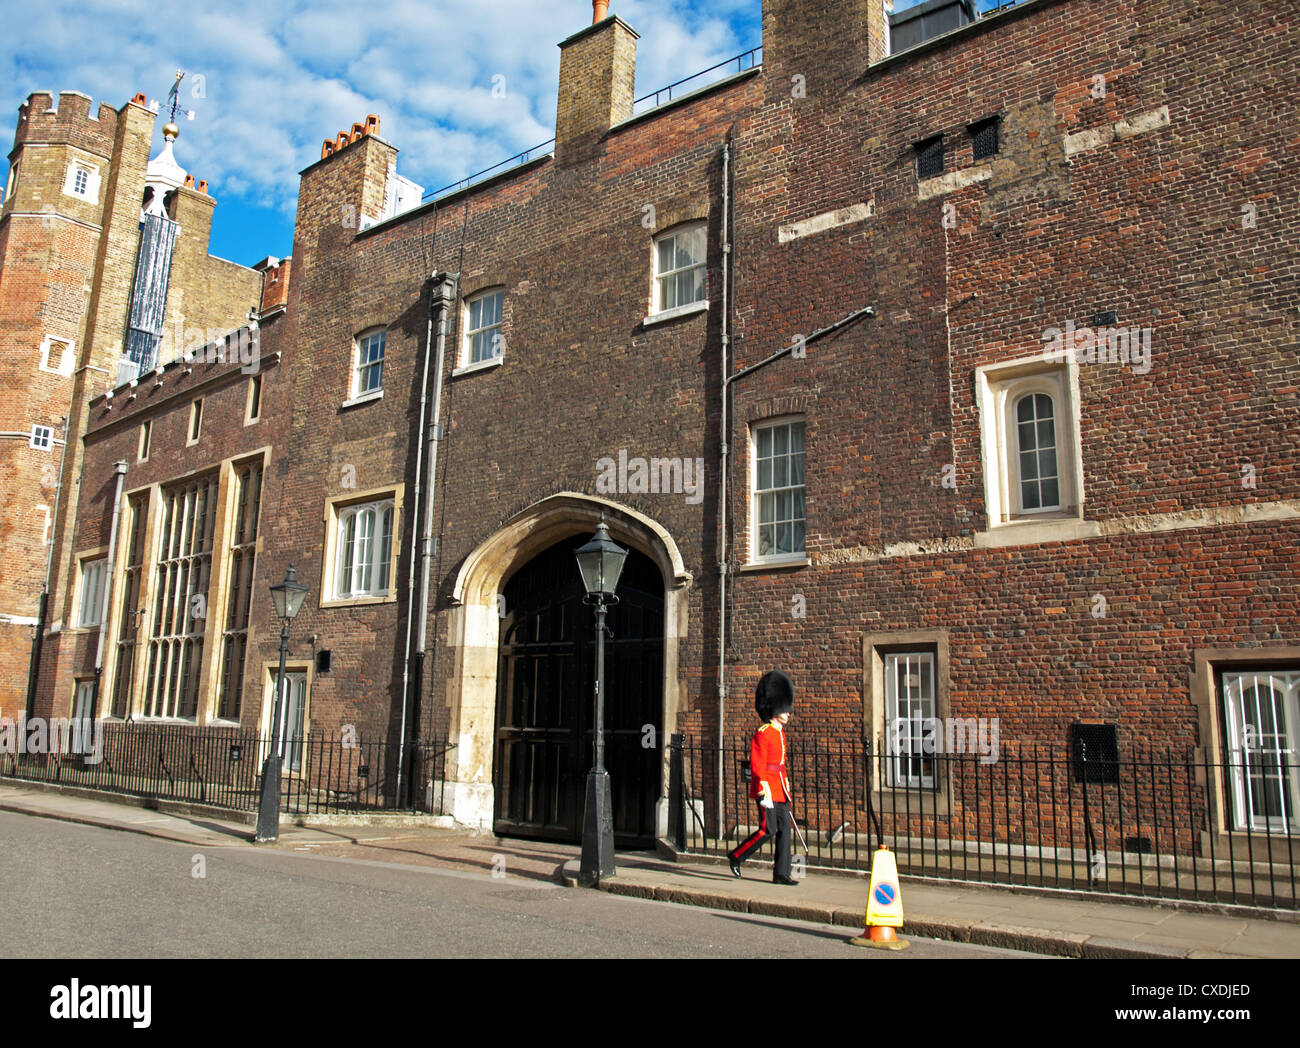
{"points": [[545, 695]]}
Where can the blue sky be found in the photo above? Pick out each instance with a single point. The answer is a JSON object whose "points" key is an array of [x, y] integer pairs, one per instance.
{"points": [[268, 81]]}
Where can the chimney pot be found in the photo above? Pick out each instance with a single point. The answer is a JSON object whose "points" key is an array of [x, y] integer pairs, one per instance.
{"points": [[599, 10]]}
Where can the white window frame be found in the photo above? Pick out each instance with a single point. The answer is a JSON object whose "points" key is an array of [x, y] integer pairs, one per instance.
{"points": [[42, 438], [90, 590], [472, 333], [194, 432], [364, 583], [697, 231], [360, 344], [999, 389], [12, 182], [909, 765], [83, 693], [1263, 763], [799, 555], [146, 437], [52, 347], [90, 191]]}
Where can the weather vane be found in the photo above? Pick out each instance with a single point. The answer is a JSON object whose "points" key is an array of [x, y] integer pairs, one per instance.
{"points": [[174, 99]]}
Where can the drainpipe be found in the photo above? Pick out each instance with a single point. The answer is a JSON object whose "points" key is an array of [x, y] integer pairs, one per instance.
{"points": [[724, 434], [439, 296], [34, 671], [106, 601]]}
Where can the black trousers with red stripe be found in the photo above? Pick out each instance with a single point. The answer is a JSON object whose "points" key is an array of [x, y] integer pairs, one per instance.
{"points": [[772, 822]]}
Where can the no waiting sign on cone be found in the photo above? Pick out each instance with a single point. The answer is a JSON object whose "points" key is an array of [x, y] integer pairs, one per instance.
{"points": [[884, 905]]}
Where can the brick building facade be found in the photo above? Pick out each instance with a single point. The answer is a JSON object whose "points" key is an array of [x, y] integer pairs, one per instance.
{"points": [[958, 381], [70, 234]]}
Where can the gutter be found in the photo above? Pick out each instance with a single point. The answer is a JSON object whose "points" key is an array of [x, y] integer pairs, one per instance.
{"points": [[441, 292]]}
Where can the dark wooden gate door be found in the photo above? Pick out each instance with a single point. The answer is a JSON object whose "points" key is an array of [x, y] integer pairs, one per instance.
{"points": [[545, 696]]}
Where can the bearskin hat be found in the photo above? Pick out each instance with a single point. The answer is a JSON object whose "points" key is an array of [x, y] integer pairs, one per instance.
{"points": [[774, 695]]}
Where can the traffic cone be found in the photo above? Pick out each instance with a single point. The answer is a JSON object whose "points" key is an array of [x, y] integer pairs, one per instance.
{"points": [[884, 906]]}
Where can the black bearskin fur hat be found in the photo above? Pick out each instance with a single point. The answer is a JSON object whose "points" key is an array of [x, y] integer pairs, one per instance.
{"points": [[774, 695]]}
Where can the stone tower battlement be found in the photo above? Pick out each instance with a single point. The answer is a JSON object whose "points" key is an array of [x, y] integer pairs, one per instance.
{"points": [[70, 123]]}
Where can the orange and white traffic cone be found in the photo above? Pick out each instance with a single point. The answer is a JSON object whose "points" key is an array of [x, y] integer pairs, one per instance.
{"points": [[884, 906]]}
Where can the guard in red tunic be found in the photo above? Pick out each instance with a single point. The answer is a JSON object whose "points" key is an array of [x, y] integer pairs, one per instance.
{"points": [[774, 701]]}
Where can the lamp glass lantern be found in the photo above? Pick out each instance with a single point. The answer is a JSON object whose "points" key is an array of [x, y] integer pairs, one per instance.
{"points": [[601, 563], [288, 595]]}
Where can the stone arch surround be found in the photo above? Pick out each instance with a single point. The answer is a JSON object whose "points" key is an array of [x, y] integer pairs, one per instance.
{"points": [[474, 632]]}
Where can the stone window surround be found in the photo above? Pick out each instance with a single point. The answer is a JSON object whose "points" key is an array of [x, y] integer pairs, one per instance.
{"points": [[874, 647], [1207, 699], [153, 510], [996, 389], [66, 362], [335, 505]]}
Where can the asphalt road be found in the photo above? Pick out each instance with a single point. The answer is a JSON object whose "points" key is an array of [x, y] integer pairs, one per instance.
{"points": [[75, 891]]}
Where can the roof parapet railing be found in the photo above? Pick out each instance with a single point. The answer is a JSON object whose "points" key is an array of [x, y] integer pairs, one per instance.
{"points": [[754, 58], [750, 59]]}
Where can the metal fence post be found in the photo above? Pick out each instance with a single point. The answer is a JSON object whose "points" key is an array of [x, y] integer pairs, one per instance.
{"points": [[676, 794]]}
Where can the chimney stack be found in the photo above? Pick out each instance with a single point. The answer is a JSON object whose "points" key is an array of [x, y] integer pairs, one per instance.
{"points": [[597, 84]]}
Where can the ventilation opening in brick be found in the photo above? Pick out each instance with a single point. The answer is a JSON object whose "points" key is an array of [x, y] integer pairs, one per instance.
{"points": [[929, 157], [984, 138]]}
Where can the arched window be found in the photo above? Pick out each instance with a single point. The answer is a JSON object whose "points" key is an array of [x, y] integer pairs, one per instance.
{"points": [[1039, 477]]}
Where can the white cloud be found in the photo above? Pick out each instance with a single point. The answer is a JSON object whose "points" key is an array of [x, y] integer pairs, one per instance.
{"points": [[277, 79]]}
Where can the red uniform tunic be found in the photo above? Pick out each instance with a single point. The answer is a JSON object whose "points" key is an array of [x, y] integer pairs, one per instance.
{"points": [[767, 764]]}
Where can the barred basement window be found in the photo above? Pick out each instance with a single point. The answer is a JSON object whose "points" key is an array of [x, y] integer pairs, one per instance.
{"points": [[929, 157], [984, 138], [243, 548], [1262, 711], [129, 618], [910, 718], [180, 607]]}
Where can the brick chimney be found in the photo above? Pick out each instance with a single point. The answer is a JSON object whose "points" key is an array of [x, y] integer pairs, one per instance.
{"points": [[597, 80], [829, 50]]}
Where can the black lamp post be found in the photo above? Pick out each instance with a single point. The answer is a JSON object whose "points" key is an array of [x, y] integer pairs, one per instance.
{"points": [[601, 563], [288, 597]]}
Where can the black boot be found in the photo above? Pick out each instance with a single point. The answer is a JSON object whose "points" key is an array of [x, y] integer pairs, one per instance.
{"points": [[734, 863]]}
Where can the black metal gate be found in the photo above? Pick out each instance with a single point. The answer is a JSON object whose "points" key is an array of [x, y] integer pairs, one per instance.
{"points": [[545, 696]]}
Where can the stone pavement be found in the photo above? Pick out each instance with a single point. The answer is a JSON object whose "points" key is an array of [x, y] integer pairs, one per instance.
{"points": [[1042, 922]]}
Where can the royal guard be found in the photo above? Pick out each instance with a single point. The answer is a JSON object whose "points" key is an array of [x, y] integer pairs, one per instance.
{"points": [[774, 701]]}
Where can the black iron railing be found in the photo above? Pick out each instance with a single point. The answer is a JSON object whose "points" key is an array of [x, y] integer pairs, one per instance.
{"points": [[222, 767], [1151, 824], [750, 59]]}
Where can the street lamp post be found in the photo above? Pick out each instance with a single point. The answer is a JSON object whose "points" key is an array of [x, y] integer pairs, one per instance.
{"points": [[601, 563], [288, 597]]}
